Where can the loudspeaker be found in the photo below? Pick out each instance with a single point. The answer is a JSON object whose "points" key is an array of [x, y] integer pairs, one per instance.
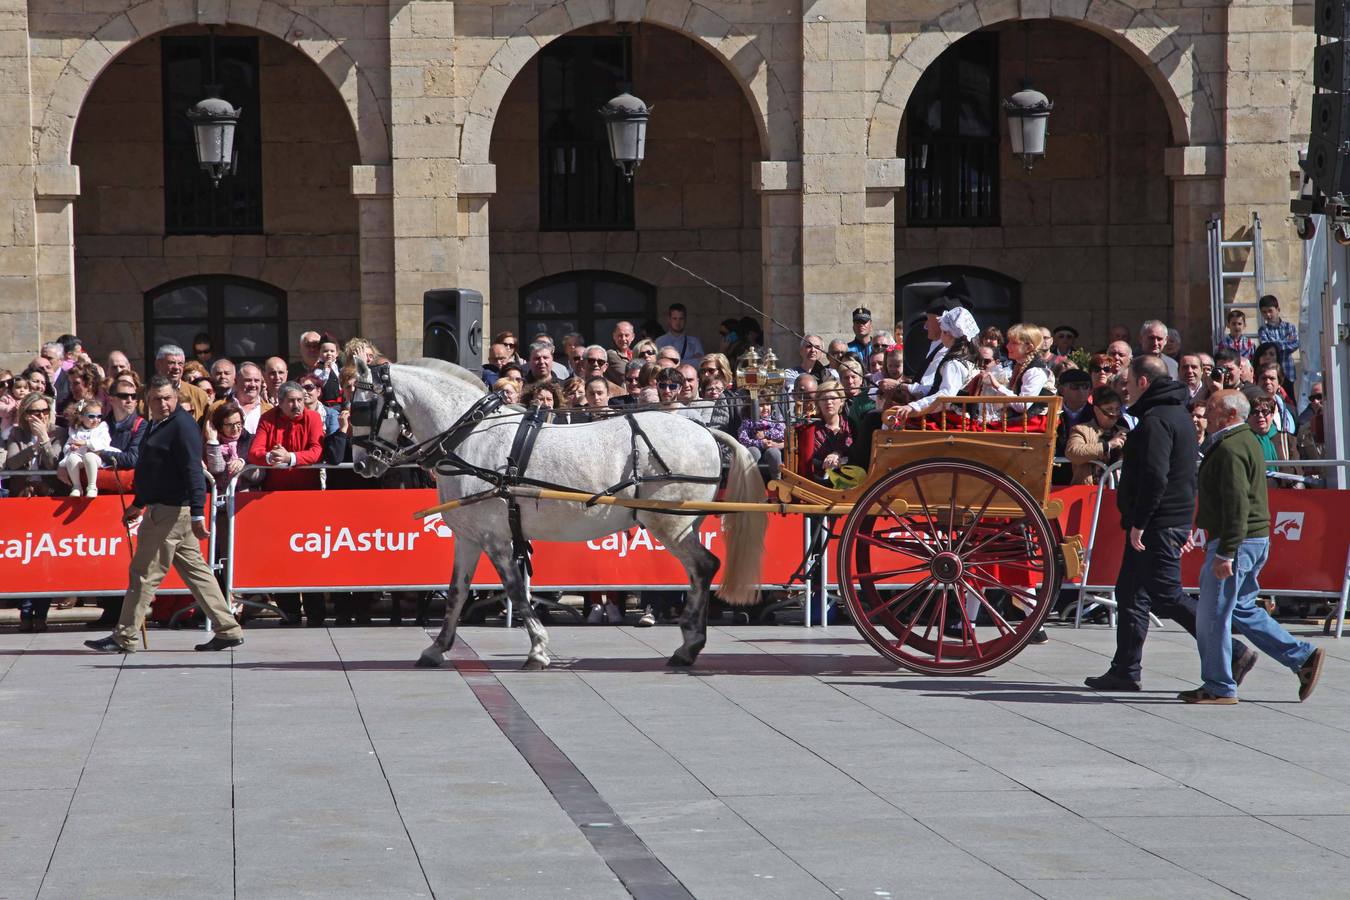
{"points": [[452, 327], [1329, 18], [1331, 66]]}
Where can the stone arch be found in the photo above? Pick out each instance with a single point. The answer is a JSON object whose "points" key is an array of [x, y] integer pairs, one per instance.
{"points": [[57, 130], [774, 119], [1145, 37]]}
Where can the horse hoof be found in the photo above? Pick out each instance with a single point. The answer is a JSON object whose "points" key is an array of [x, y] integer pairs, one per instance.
{"points": [[534, 665], [427, 662], [680, 661]]}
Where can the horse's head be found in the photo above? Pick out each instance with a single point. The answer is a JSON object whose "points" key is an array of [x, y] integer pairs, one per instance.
{"points": [[377, 420]]}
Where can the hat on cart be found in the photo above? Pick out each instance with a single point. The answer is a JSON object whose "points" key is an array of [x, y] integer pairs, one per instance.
{"points": [[1069, 328], [940, 305], [960, 323]]}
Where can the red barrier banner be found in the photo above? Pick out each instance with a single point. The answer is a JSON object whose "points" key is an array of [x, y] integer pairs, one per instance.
{"points": [[369, 539], [64, 546], [1308, 543]]}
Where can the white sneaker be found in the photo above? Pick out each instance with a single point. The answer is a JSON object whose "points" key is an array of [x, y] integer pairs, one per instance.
{"points": [[595, 616], [614, 613], [648, 618], [76, 492], [91, 491]]}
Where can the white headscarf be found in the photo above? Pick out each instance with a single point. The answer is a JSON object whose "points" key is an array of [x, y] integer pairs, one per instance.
{"points": [[959, 323]]}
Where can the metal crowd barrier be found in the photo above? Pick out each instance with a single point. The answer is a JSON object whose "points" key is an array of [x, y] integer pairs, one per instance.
{"points": [[126, 495], [1103, 596]]}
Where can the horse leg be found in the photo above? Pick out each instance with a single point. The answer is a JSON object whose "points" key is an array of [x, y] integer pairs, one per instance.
{"points": [[701, 565], [518, 594], [466, 556]]}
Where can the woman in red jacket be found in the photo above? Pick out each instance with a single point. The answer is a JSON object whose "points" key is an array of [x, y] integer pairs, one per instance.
{"points": [[289, 435]]}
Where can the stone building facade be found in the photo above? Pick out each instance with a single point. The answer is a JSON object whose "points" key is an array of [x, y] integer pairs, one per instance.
{"points": [[401, 141]]}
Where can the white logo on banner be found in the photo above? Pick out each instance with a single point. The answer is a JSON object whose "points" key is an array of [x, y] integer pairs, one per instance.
{"points": [[1289, 525], [436, 524]]}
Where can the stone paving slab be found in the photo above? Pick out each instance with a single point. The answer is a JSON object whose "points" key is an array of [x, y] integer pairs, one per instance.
{"points": [[790, 763]]}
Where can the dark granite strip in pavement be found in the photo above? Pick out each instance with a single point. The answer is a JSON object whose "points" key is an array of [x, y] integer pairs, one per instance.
{"points": [[642, 874]]}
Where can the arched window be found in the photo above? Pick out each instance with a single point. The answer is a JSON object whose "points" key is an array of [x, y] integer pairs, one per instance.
{"points": [[952, 137], [245, 319], [995, 299], [588, 302]]}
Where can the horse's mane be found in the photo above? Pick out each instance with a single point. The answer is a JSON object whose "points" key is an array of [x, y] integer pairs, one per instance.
{"points": [[448, 368]]}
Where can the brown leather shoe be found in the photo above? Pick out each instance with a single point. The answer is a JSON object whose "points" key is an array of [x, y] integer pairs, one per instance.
{"points": [[1308, 673], [1244, 664]]}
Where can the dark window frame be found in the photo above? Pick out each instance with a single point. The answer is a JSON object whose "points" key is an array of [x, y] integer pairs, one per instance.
{"points": [[577, 75], [953, 179], [216, 318], [586, 281], [192, 205]]}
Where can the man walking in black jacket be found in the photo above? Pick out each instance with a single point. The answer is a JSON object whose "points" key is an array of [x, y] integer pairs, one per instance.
{"points": [[1156, 501], [169, 502]]}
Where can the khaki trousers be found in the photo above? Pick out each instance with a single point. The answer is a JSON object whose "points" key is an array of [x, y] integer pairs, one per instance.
{"points": [[165, 539]]}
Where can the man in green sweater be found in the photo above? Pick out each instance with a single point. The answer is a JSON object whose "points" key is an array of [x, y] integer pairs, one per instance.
{"points": [[1235, 516]]}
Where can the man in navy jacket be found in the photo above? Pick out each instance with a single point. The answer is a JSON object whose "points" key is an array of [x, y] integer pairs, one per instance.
{"points": [[1156, 501], [169, 503]]}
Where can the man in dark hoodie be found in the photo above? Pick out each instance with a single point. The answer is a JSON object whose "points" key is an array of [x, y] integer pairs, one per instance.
{"points": [[1156, 500]]}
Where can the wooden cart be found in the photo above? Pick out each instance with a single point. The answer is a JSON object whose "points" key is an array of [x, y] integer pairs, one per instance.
{"points": [[949, 554]]}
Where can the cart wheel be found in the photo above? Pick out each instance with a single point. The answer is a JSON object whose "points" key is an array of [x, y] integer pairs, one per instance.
{"points": [[1305, 227], [918, 583]]}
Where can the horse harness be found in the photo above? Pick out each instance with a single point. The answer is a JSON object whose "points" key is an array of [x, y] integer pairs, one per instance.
{"points": [[438, 454]]}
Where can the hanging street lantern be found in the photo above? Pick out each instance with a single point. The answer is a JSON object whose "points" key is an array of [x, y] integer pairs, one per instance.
{"points": [[1028, 115], [1028, 112], [213, 121], [625, 120]]}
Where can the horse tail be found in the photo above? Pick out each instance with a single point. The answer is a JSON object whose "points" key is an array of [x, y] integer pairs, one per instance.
{"points": [[744, 530]]}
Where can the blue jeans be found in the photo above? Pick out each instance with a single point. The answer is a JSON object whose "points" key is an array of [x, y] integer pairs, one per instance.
{"points": [[1231, 604]]}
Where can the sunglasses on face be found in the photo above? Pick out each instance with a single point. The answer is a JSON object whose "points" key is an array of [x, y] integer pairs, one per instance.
{"points": [[1109, 412], [235, 424], [126, 396], [310, 387], [509, 345], [1317, 397], [93, 417], [816, 347], [6, 384], [39, 412], [596, 362], [1110, 369], [646, 353]]}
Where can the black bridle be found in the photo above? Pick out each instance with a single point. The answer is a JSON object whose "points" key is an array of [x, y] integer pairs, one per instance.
{"points": [[373, 413]]}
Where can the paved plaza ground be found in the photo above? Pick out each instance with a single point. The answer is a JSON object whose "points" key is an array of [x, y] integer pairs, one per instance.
{"points": [[790, 763]]}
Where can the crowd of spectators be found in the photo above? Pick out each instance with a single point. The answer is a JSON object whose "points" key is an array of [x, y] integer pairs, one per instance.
{"points": [[67, 414]]}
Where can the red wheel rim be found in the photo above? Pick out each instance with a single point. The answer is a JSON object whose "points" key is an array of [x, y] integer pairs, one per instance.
{"points": [[968, 532]]}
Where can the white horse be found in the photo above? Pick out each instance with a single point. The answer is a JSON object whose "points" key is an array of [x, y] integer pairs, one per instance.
{"points": [[431, 395]]}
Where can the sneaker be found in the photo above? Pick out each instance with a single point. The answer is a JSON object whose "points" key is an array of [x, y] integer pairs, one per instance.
{"points": [[1112, 682], [1308, 673], [1205, 698], [1040, 637], [76, 492], [647, 619], [91, 491], [596, 615], [614, 613], [1243, 665]]}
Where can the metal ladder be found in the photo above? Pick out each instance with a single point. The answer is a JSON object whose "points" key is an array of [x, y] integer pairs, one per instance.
{"points": [[1218, 276]]}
